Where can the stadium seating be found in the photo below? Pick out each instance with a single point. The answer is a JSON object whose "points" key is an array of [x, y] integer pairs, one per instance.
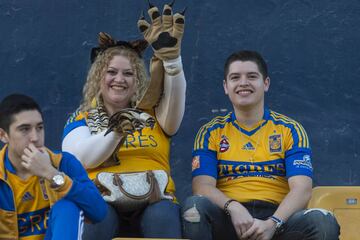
{"points": [[344, 202]]}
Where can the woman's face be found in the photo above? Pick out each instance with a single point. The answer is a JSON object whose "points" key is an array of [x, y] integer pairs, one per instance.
{"points": [[119, 85]]}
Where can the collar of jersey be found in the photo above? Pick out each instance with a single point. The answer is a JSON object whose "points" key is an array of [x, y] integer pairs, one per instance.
{"points": [[255, 129], [8, 165]]}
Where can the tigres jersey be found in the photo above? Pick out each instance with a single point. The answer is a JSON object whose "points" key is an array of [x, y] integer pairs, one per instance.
{"points": [[149, 150], [32, 204], [252, 164]]}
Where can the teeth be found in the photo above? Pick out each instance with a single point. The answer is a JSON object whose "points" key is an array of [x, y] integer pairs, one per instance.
{"points": [[244, 91], [118, 87]]}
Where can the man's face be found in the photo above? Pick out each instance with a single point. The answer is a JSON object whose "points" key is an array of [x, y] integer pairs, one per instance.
{"points": [[245, 85], [27, 127]]}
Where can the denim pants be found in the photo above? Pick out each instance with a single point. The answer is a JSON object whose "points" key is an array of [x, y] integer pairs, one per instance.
{"points": [[158, 220], [208, 221], [66, 221]]}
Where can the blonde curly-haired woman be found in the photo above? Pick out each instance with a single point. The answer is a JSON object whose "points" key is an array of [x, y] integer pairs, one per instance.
{"points": [[115, 81]]}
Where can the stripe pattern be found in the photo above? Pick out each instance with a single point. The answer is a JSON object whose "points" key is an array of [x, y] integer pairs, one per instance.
{"points": [[81, 225], [300, 137]]}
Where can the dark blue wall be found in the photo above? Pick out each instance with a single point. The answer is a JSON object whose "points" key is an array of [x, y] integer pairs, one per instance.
{"points": [[310, 47]]}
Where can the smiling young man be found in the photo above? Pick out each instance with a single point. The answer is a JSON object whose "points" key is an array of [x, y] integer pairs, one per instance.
{"points": [[252, 172], [42, 194]]}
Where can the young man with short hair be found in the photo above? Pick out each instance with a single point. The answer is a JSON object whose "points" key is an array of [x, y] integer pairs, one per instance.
{"points": [[42, 194], [252, 172]]}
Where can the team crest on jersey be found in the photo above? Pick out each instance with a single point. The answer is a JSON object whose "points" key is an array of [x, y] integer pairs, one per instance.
{"points": [[195, 163], [275, 143], [224, 144]]}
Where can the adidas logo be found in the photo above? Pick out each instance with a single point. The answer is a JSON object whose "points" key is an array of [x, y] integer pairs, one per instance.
{"points": [[248, 146], [27, 197]]}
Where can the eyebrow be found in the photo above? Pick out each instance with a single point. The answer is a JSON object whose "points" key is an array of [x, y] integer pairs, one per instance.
{"points": [[118, 69], [231, 74], [236, 73], [254, 73], [28, 125]]}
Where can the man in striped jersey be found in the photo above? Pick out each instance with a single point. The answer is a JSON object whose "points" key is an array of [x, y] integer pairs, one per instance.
{"points": [[252, 171], [42, 194]]}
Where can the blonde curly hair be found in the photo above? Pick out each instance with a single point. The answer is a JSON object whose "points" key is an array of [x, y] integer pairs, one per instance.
{"points": [[98, 69]]}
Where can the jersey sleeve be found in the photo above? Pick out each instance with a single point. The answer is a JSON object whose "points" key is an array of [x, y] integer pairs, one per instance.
{"points": [[77, 119], [298, 155], [83, 192], [204, 154]]}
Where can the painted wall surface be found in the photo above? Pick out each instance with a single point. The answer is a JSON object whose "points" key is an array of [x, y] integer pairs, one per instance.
{"points": [[310, 46]]}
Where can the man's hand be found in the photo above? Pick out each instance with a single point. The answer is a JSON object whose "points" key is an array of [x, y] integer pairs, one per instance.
{"points": [[240, 217], [37, 161], [164, 33], [260, 230]]}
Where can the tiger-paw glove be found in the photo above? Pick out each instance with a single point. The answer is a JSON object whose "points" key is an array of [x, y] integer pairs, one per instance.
{"points": [[165, 32], [129, 120]]}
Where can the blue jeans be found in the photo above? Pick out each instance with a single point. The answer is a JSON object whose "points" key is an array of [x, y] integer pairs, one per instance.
{"points": [[158, 220], [66, 221], [205, 220]]}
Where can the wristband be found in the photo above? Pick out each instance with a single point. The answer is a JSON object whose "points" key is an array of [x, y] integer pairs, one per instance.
{"points": [[226, 206], [278, 223], [173, 66]]}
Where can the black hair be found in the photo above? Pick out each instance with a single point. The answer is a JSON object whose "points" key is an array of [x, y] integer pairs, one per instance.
{"points": [[246, 55], [13, 104]]}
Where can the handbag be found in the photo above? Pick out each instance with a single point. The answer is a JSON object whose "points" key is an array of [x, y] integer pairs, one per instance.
{"points": [[133, 190]]}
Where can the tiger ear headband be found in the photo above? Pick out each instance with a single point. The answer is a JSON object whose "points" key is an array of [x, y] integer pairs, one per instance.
{"points": [[106, 41]]}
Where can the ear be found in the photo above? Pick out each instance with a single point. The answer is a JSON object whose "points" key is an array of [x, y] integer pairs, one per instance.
{"points": [[225, 87], [4, 136], [105, 40], [139, 45], [267, 84]]}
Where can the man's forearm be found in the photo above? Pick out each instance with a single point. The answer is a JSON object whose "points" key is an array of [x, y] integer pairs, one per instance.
{"points": [[211, 192], [294, 201]]}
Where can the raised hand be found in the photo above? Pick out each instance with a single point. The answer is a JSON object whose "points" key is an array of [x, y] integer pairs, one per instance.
{"points": [[165, 32]]}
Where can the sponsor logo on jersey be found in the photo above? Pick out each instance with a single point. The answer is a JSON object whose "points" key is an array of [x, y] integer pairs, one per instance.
{"points": [[275, 143], [140, 141], [269, 169], [33, 223], [195, 163], [248, 146], [27, 197], [303, 163], [224, 144]]}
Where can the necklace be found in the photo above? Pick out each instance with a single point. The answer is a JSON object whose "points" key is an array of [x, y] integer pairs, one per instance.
{"points": [[248, 140]]}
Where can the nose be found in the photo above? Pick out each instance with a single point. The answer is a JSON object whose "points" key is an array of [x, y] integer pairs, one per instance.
{"points": [[120, 77], [34, 136], [243, 81]]}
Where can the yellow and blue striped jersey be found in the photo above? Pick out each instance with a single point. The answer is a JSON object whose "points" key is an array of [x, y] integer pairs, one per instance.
{"points": [[31, 202], [148, 150], [252, 164]]}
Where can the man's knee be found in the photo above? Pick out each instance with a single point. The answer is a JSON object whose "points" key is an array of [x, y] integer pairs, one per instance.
{"points": [[317, 214], [194, 208], [322, 216], [65, 208], [320, 220]]}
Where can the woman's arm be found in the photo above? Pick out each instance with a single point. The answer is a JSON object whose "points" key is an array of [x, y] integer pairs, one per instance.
{"points": [[170, 110], [91, 150]]}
